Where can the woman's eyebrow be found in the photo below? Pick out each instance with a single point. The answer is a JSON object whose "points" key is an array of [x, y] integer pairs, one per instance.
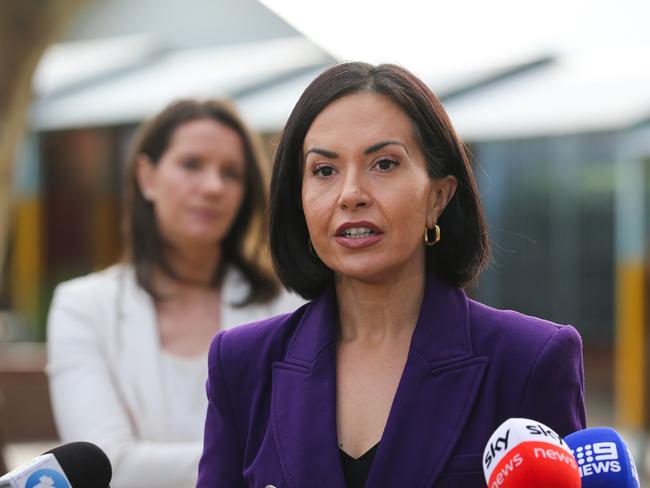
{"points": [[322, 152], [380, 145], [369, 150]]}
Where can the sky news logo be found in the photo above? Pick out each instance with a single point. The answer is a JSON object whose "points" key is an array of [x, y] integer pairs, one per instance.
{"points": [[534, 430]]}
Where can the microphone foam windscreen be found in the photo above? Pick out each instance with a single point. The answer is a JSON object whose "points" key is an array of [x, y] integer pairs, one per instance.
{"points": [[85, 464], [603, 459], [524, 453]]}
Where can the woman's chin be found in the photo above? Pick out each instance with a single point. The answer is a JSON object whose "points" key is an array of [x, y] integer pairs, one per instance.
{"points": [[198, 240], [205, 234], [378, 269], [369, 273]]}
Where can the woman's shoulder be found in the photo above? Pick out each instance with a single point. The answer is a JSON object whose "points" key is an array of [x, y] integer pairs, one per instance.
{"points": [[538, 362], [236, 288], [257, 343], [509, 331], [85, 307], [88, 301], [95, 284]]}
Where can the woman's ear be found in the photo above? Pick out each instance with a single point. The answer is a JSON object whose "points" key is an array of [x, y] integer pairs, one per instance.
{"points": [[145, 175], [442, 192]]}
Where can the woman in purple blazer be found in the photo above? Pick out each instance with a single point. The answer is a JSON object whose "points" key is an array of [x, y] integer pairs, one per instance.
{"points": [[391, 376]]}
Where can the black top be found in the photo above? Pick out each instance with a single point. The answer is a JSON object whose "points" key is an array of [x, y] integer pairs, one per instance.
{"points": [[355, 471]]}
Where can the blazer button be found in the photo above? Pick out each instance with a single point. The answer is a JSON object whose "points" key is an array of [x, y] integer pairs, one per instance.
{"points": [[269, 486]]}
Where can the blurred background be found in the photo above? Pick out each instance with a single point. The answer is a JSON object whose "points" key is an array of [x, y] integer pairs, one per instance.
{"points": [[553, 100]]}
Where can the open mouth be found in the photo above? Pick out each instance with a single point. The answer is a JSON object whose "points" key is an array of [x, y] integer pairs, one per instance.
{"points": [[357, 232]]}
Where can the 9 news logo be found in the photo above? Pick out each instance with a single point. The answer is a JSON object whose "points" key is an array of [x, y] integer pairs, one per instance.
{"points": [[596, 458]]}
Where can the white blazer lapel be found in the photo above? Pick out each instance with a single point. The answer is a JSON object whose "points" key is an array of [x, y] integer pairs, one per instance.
{"points": [[141, 356]]}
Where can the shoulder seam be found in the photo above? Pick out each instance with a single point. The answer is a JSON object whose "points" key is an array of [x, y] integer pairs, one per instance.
{"points": [[534, 367]]}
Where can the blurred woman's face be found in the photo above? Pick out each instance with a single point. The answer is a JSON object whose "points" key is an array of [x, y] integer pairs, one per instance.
{"points": [[198, 186], [366, 193]]}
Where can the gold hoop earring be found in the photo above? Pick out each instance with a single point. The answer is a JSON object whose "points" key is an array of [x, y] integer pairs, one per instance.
{"points": [[436, 229]]}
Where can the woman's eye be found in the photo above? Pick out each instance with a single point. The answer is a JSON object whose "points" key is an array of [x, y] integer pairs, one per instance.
{"points": [[191, 164], [385, 164], [323, 170], [232, 174]]}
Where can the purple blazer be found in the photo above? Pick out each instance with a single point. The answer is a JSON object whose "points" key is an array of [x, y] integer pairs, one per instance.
{"points": [[271, 417]]}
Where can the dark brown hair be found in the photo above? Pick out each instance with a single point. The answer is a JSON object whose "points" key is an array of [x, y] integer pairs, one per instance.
{"points": [[243, 246], [464, 249]]}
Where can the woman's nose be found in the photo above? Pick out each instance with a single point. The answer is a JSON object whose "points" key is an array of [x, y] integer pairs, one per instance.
{"points": [[212, 181], [354, 193]]}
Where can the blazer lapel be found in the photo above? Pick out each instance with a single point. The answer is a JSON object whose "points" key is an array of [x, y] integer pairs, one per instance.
{"points": [[435, 395], [304, 400], [141, 355]]}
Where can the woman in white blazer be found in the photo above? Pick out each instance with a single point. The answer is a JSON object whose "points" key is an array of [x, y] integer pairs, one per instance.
{"points": [[127, 346]]}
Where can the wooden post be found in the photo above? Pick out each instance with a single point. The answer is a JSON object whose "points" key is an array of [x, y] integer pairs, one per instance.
{"points": [[26, 28], [631, 306]]}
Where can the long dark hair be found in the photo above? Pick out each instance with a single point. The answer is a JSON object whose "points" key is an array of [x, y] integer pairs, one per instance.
{"points": [[243, 246], [464, 249]]}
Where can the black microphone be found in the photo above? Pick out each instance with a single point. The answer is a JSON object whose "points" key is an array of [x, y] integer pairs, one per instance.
{"points": [[73, 465]]}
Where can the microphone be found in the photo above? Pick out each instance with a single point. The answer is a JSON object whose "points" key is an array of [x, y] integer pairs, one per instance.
{"points": [[524, 453], [603, 458], [73, 465]]}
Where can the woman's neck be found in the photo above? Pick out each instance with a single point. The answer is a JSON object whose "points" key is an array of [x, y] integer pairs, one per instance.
{"points": [[193, 269], [379, 311]]}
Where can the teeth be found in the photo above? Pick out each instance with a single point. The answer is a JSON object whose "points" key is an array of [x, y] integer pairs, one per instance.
{"points": [[358, 232]]}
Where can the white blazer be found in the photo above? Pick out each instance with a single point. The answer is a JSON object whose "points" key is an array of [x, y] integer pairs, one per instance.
{"points": [[104, 359]]}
